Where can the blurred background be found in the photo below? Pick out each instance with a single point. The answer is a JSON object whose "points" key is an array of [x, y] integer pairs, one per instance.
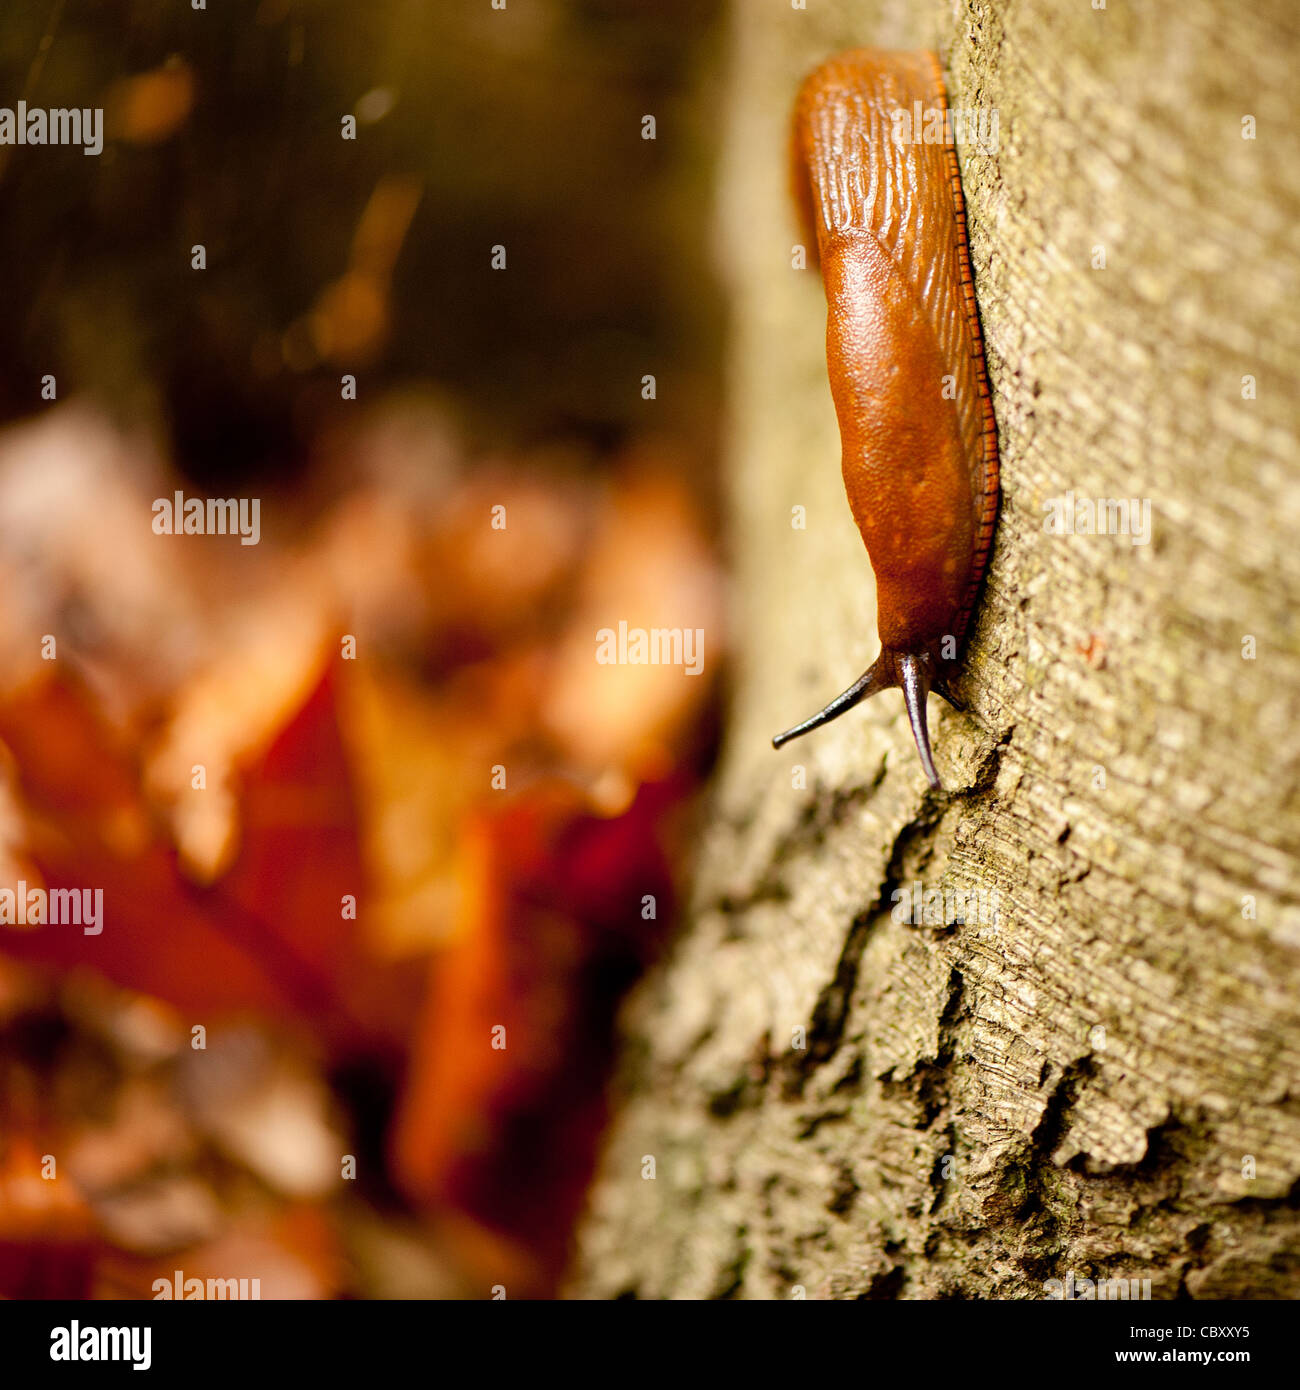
{"points": [[381, 844]]}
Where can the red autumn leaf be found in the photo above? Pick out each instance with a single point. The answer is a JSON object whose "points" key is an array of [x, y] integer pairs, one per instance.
{"points": [[508, 1068], [269, 937]]}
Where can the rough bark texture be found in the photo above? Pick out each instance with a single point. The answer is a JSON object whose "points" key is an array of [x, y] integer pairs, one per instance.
{"points": [[1106, 1081]]}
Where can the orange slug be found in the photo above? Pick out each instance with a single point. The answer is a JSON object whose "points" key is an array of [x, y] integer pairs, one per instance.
{"points": [[906, 362]]}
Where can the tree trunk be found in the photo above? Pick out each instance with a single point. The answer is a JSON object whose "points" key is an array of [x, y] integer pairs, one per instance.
{"points": [[1104, 1081]]}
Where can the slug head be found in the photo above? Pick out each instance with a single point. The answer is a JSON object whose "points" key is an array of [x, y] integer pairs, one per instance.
{"points": [[913, 672]]}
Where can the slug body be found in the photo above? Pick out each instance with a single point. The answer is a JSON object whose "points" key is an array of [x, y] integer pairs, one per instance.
{"points": [[906, 362]]}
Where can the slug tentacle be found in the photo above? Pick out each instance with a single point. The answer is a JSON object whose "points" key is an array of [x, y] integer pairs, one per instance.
{"points": [[878, 676], [914, 678], [939, 683]]}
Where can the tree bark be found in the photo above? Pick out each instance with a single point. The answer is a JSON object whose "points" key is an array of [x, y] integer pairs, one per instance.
{"points": [[1105, 1082]]}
